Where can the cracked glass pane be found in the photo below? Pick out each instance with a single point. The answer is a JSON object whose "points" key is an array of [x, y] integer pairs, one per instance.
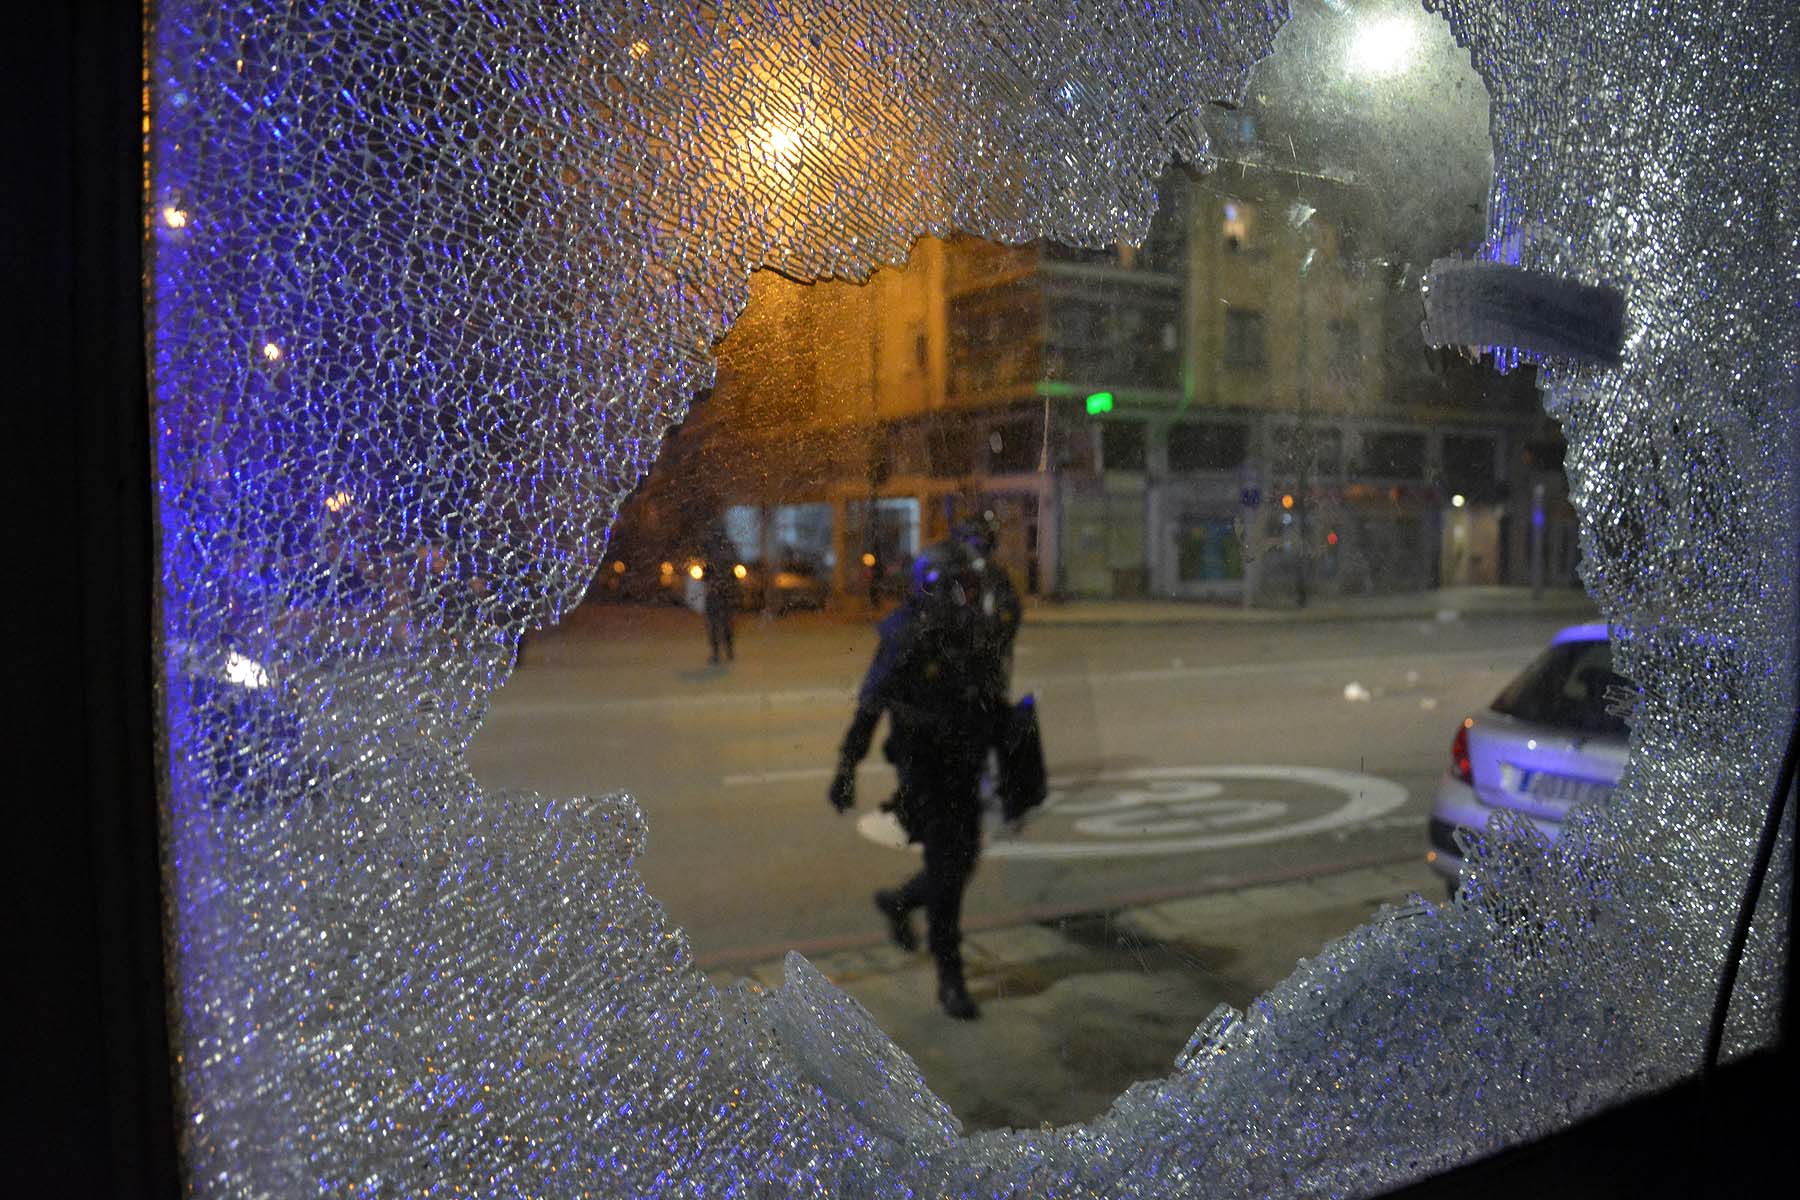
{"points": [[435, 287]]}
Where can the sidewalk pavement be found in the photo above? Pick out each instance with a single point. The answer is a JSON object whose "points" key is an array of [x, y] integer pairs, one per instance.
{"points": [[1443, 604], [1077, 1007]]}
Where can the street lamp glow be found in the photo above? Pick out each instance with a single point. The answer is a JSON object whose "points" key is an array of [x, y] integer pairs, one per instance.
{"points": [[696, 571], [174, 217], [783, 143], [1383, 47], [741, 571], [245, 672], [1458, 500], [271, 351]]}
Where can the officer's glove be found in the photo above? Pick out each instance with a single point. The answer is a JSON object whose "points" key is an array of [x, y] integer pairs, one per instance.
{"points": [[843, 790]]}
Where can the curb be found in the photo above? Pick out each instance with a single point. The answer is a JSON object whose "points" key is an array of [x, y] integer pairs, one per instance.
{"points": [[1103, 612]]}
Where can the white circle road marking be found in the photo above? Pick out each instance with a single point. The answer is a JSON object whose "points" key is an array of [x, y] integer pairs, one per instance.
{"points": [[1202, 815]]}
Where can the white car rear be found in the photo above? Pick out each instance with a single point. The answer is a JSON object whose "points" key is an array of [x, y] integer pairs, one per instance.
{"points": [[1550, 740]]}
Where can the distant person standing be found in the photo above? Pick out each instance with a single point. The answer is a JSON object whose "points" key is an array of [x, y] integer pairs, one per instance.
{"points": [[873, 560], [721, 596], [935, 678]]}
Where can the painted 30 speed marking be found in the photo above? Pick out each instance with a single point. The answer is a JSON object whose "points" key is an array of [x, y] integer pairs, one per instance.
{"points": [[1176, 810]]}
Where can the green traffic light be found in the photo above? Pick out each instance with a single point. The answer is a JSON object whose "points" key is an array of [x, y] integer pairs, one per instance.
{"points": [[1099, 402]]}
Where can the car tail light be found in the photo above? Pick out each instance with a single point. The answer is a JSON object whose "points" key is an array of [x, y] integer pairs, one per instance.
{"points": [[1459, 752]]}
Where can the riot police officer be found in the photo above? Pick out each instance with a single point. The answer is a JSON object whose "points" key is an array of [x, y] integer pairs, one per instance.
{"points": [[937, 678]]}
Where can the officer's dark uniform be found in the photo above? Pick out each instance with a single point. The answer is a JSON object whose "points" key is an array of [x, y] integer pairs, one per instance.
{"points": [[935, 677], [1001, 611]]}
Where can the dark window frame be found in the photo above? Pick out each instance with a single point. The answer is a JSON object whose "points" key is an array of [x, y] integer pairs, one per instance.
{"points": [[1125, 445], [1246, 339], [1206, 433], [90, 1046], [1377, 464]]}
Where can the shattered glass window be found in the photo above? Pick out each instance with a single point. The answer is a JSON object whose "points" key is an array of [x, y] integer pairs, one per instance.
{"points": [[561, 408]]}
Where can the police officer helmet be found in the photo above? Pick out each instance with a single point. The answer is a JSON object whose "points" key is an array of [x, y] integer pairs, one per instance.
{"points": [[979, 534], [941, 577]]}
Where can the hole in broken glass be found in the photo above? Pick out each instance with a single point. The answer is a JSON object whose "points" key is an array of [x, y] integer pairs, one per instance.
{"points": [[1272, 554]]}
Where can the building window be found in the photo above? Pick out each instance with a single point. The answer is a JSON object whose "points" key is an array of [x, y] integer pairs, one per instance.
{"points": [[1244, 338], [1469, 465], [1122, 446], [996, 338], [1312, 450], [950, 449], [1235, 228], [1015, 447], [1394, 455], [1346, 341], [1212, 446], [1125, 337]]}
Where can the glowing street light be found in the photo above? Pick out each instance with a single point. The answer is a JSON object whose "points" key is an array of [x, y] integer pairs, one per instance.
{"points": [[245, 672], [784, 145], [174, 218], [1383, 47], [1458, 500], [783, 141]]}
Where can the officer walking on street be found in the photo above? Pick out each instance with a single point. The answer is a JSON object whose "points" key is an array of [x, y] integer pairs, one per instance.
{"points": [[938, 676]]}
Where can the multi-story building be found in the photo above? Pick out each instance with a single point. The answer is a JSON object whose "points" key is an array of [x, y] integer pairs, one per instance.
{"points": [[1239, 409]]}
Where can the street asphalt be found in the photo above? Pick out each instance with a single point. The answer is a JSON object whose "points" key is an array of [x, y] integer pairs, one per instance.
{"points": [[1083, 992]]}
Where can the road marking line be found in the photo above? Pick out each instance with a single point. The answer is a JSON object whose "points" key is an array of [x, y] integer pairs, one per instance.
{"points": [[1043, 684], [756, 778]]}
